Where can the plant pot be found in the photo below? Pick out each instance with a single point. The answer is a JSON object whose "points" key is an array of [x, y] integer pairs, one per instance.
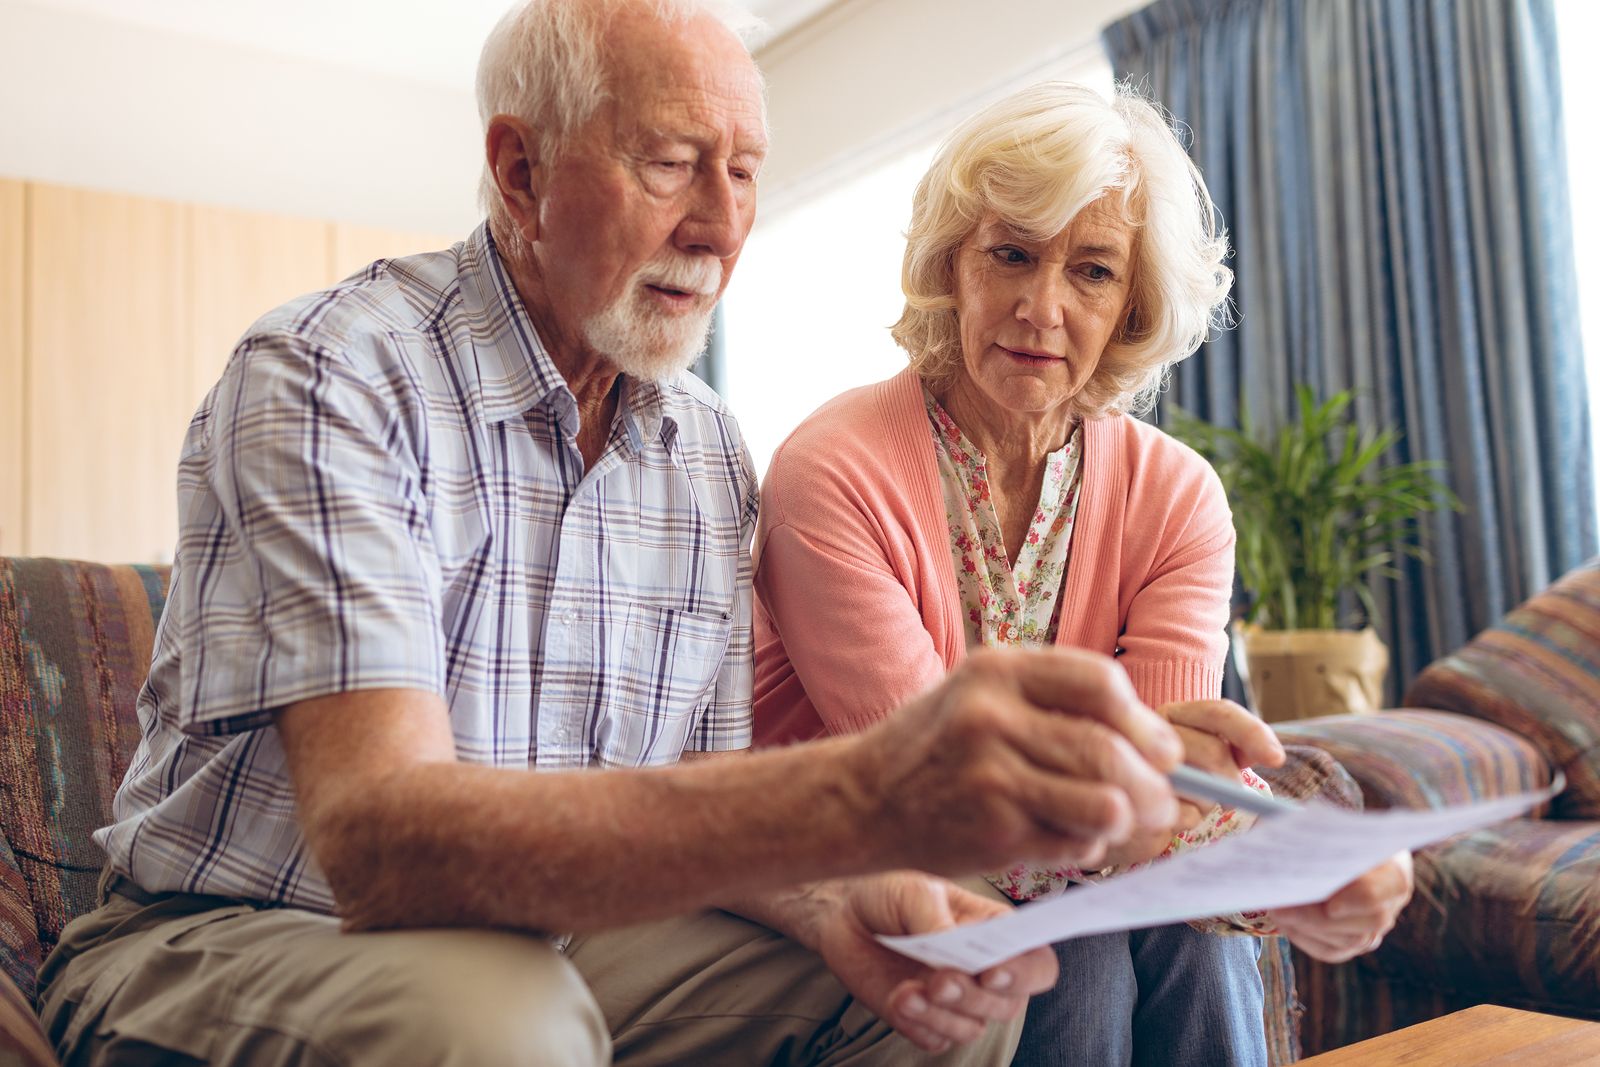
{"points": [[1298, 674]]}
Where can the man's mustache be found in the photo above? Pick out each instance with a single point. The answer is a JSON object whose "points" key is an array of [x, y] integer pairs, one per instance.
{"points": [[700, 275]]}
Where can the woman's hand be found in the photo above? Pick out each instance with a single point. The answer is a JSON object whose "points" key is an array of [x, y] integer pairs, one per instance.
{"points": [[1353, 920], [1218, 736], [1222, 738]]}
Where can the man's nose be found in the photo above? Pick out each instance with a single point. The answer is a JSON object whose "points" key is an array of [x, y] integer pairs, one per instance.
{"points": [[716, 223]]}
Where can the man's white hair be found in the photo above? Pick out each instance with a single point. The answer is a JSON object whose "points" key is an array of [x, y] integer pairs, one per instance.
{"points": [[544, 63]]}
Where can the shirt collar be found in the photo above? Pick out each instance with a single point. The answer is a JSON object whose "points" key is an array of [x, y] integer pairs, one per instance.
{"points": [[515, 372], [644, 413]]}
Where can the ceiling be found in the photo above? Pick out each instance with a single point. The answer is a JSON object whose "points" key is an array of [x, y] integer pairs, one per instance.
{"points": [[421, 40]]}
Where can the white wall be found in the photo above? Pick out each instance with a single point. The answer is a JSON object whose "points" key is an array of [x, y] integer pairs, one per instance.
{"points": [[89, 101], [92, 102], [807, 315], [871, 79]]}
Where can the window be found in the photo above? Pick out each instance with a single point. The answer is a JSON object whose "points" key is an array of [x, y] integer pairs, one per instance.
{"points": [[1579, 24], [809, 310]]}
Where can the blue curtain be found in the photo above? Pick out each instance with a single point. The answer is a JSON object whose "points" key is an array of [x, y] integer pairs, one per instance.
{"points": [[1393, 177]]}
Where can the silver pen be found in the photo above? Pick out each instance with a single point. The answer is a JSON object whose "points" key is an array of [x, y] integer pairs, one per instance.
{"points": [[1198, 785]]}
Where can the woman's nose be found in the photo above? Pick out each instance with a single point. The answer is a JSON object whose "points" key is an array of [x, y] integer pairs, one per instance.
{"points": [[1042, 303]]}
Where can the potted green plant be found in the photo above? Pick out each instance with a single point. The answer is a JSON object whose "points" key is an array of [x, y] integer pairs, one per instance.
{"points": [[1317, 518]]}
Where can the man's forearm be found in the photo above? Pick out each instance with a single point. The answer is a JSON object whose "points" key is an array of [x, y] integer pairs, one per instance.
{"points": [[970, 776], [466, 845], [794, 911], [797, 912]]}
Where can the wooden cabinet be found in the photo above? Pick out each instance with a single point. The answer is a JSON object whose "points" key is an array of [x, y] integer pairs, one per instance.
{"points": [[356, 246], [242, 265], [11, 398], [108, 372], [117, 314]]}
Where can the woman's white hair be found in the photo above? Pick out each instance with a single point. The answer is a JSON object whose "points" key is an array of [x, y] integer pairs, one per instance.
{"points": [[544, 63], [1036, 159]]}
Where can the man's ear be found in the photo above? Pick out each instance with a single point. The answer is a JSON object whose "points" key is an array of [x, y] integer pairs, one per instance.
{"points": [[512, 147]]}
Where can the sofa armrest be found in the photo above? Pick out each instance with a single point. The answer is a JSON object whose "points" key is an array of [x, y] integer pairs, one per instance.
{"points": [[1425, 759], [20, 951], [1310, 773]]}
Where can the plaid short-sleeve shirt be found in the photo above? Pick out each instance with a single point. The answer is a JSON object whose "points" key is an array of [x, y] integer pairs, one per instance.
{"points": [[385, 490]]}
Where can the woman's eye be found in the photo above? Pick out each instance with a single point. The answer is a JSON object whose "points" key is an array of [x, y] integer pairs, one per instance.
{"points": [[1010, 254], [1097, 273]]}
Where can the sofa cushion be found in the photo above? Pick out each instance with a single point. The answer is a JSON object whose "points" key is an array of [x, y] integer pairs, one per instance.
{"points": [[1537, 674], [22, 1039], [75, 643], [1424, 759], [1509, 914]]}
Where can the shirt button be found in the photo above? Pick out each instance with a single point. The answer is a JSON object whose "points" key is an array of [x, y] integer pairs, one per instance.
{"points": [[570, 616]]}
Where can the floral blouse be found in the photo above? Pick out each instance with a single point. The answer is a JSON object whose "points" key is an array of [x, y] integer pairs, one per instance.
{"points": [[1019, 602]]}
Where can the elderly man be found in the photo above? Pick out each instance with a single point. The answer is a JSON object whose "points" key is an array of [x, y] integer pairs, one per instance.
{"points": [[460, 517]]}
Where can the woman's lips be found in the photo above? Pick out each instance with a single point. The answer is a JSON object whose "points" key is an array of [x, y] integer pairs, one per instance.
{"points": [[1030, 359]]}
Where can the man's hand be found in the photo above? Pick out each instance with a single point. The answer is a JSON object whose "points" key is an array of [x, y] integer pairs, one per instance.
{"points": [[934, 1009], [1027, 754], [1355, 919]]}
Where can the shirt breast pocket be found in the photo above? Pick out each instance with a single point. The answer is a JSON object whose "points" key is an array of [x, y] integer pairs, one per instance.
{"points": [[670, 661]]}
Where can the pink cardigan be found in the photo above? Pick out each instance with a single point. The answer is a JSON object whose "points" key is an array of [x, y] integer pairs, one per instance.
{"points": [[856, 602]]}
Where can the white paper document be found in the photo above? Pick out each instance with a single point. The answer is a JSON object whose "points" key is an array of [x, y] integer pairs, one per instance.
{"points": [[1298, 858]]}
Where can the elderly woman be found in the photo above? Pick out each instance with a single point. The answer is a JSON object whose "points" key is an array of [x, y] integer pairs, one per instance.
{"points": [[1061, 256]]}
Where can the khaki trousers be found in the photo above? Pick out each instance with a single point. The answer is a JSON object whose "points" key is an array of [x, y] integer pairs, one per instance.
{"points": [[180, 980]]}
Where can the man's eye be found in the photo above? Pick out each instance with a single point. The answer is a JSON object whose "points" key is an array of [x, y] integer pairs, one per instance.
{"points": [[673, 164]]}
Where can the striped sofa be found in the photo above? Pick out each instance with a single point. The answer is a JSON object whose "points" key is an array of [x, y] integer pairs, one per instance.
{"points": [[75, 642], [1509, 914]]}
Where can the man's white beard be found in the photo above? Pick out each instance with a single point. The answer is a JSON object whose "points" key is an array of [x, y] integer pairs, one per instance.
{"points": [[643, 341]]}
